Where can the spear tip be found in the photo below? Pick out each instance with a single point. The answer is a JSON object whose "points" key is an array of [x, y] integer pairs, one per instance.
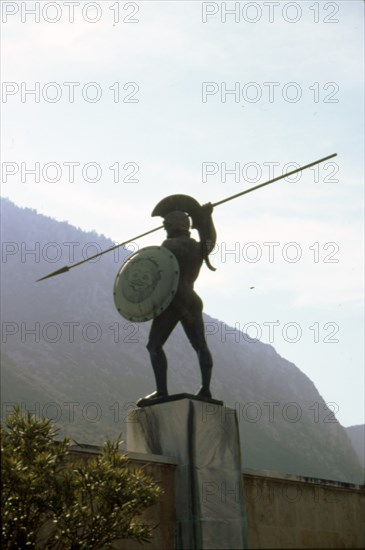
{"points": [[58, 272]]}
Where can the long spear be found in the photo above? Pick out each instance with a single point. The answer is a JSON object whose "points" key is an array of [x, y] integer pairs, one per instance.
{"points": [[68, 267]]}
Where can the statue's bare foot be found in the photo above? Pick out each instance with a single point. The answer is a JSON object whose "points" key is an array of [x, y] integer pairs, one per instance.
{"points": [[154, 395], [204, 392]]}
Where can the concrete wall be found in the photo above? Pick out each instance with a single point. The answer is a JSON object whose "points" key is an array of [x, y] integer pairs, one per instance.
{"points": [[283, 511], [161, 515], [287, 511]]}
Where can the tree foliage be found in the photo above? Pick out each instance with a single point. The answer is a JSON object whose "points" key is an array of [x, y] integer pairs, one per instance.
{"points": [[51, 500]]}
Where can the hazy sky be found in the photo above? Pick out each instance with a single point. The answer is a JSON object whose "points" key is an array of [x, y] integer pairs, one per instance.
{"points": [[114, 105]]}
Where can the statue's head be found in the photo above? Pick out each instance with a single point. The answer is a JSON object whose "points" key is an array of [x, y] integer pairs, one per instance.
{"points": [[176, 223]]}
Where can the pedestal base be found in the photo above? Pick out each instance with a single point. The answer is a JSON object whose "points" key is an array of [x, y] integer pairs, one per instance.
{"points": [[176, 397], [203, 437]]}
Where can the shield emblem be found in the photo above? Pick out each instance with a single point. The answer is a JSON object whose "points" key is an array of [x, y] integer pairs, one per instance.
{"points": [[146, 283]]}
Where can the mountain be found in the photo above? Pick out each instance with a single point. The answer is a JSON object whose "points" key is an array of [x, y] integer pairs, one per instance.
{"points": [[67, 353], [357, 438]]}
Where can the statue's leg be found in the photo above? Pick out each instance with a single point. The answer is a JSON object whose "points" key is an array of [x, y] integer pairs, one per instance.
{"points": [[161, 329], [194, 329]]}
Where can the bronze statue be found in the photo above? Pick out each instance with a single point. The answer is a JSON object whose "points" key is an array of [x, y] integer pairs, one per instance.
{"points": [[186, 306], [158, 284]]}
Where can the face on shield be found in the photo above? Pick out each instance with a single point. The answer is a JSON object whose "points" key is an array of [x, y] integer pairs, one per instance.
{"points": [[141, 280]]}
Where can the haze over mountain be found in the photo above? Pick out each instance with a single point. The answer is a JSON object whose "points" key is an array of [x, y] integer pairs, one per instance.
{"points": [[67, 353]]}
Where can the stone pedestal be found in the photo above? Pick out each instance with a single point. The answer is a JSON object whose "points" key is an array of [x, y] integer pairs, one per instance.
{"points": [[203, 437]]}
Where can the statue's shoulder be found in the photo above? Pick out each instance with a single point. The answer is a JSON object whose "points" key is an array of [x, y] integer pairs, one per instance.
{"points": [[182, 241]]}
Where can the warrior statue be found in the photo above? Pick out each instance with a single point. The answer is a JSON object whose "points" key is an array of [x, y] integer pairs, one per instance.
{"points": [[186, 305], [158, 282]]}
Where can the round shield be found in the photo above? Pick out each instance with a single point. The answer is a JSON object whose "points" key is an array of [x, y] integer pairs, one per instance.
{"points": [[146, 283]]}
